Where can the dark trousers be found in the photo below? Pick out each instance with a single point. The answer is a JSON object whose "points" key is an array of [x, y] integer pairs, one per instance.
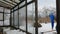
{"points": [[52, 23]]}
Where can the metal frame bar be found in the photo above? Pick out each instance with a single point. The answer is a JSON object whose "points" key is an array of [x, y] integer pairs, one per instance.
{"points": [[18, 17], [1, 12], [13, 19], [6, 26], [6, 13], [36, 17], [1, 20], [26, 18], [10, 18], [3, 15], [5, 7]]}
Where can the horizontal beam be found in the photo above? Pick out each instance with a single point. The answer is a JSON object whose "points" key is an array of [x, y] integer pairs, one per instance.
{"points": [[4, 12], [1, 12], [6, 26], [1, 20], [5, 7]]}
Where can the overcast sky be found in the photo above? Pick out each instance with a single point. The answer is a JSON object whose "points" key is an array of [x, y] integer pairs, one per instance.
{"points": [[41, 4], [46, 3]]}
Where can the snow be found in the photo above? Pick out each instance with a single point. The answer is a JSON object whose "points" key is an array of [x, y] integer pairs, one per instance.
{"points": [[15, 32], [8, 31], [45, 27]]}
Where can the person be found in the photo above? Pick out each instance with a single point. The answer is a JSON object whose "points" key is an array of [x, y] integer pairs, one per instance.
{"points": [[52, 19]]}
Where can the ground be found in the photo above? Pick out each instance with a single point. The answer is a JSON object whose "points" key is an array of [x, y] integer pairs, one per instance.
{"points": [[46, 28]]}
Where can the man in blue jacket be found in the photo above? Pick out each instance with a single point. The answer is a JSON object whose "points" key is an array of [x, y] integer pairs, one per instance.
{"points": [[52, 19]]}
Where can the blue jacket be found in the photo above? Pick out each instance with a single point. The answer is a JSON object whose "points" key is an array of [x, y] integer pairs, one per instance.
{"points": [[51, 17]]}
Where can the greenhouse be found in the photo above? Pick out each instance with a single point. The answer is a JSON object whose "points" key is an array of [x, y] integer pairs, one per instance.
{"points": [[29, 17]]}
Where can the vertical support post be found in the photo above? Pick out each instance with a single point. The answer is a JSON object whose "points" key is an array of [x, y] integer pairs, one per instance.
{"points": [[13, 15], [36, 17], [13, 19], [10, 18], [18, 17], [58, 16], [26, 17], [3, 15]]}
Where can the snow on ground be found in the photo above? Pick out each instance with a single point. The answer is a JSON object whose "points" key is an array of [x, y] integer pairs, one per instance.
{"points": [[44, 28], [31, 29], [15, 32], [8, 31]]}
